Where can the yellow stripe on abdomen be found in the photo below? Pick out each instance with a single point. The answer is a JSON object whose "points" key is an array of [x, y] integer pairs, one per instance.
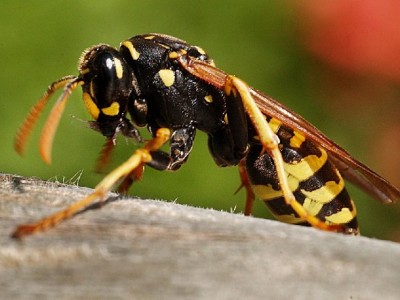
{"points": [[307, 166], [345, 215]]}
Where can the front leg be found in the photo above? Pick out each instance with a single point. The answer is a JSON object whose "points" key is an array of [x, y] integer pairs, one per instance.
{"points": [[134, 163], [180, 146]]}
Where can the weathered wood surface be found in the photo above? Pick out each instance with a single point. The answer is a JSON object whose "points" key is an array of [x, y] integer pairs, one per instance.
{"points": [[146, 249]]}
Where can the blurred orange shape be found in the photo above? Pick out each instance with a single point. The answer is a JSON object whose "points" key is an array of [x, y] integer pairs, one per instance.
{"points": [[361, 36]]}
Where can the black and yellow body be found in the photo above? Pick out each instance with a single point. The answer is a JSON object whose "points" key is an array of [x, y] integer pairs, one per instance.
{"points": [[315, 182], [174, 89]]}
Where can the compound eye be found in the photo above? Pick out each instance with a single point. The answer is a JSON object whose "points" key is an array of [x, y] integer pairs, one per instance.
{"points": [[108, 79], [108, 82]]}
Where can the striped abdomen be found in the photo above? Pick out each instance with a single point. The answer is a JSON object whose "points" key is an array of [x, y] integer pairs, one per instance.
{"points": [[314, 181]]}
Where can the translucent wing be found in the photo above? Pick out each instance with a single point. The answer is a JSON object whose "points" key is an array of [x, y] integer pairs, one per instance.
{"points": [[351, 169]]}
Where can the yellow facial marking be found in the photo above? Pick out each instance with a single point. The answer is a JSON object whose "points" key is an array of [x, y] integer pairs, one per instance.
{"points": [[119, 70], [274, 124], [209, 99], [297, 140], [91, 106], [149, 37], [306, 167], [134, 53], [91, 89], [326, 193], [112, 110], [167, 76]]}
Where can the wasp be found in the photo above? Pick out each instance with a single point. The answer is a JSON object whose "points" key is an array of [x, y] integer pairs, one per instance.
{"points": [[174, 89]]}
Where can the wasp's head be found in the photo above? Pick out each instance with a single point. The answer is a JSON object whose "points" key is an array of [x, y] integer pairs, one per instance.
{"points": [[108, 84], [107, 87]]}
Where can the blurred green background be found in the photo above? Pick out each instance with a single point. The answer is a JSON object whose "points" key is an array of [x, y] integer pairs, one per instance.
{"points": [[258, 41]]}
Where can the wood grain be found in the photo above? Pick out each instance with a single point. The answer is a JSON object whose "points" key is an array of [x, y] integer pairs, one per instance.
{"points": [[146, 249]]}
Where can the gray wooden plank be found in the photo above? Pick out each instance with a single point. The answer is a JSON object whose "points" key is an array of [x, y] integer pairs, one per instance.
{"points": [[147, 249]]}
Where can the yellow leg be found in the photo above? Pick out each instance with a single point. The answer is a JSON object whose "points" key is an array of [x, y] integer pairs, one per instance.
{"points": [[140, 157], [270, 142]]}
